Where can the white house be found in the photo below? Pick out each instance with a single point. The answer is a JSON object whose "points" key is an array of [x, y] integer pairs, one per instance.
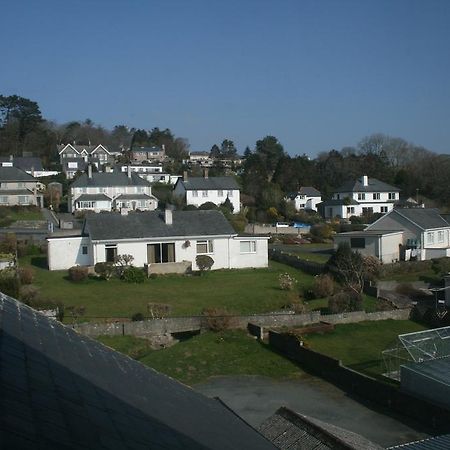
{"points": [[306, 198], [104, 191], [139, 154], [199, 190], [167, 241], [362, 196], [19, 188], [152, 173], [402, 234]]}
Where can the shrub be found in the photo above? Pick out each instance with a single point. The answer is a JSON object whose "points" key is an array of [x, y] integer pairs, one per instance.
{"points": [[26, 275], [441, 266], [133, 275], [158, 310], [9, 282], [217, 319], [122, 262], [204, 262], [29, 295], [78, 273], [323, 286], [76, 311], [345, 301], [104, 269], [322, 231], [287, 283], [137, 317]]}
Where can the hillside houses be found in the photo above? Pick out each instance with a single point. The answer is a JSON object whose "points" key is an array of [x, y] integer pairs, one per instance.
{"points": [[105, 191], [19, 188], [306, 198]]}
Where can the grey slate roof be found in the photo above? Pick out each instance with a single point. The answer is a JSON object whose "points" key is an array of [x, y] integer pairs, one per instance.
{"points": [[341, 202], [92, 198], [309, 191], [134, 197], [291, 431], [14, 174], [24, 162], [434, 443], [16, 192], [374, 185], [425, 218], [79, 148], [150, 224], [210, 183], [61, 390], [105, 179]]}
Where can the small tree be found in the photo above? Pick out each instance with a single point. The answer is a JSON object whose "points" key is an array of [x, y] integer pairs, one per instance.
{"points": [[204, 262], [323, 286], [158, 310], [122, 262], [345, 301], [104, 269]]}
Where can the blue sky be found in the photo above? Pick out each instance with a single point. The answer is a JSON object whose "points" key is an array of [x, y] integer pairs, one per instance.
{"points": [[317, 74]]}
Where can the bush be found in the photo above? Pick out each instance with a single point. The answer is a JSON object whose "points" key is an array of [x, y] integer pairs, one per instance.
{"points": [[287, 283], [137, 317], [29, 295], [322, 231], [133, 275], [323, 286], [78, 273], [9, 282], [204, 262], [26, 275], [158, 310], [345, 301], [104, 269], [217, 319]]}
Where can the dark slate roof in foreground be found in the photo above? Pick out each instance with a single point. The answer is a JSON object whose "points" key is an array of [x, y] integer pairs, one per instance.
{"points": [[210, 183], [291, 431], [374, 185], [434, 443], [151, 224], [61, 390], [105, 179], [425, 218], [14, 174]]}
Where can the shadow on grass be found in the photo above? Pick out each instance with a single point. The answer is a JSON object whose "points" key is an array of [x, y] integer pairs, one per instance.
{"points": [[433, 280], [39, 261]]}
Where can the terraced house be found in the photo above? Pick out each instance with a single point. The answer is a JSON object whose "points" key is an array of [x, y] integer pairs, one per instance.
{"points": [[19, 188], [108, 191]]}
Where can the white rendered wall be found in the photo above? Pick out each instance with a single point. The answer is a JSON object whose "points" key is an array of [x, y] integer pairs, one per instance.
{"points": [[213, 196], [64, 253], [240, 260]]}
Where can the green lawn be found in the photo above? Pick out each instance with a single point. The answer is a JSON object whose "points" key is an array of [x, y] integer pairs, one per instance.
{"points": [[209, 354], [243, 291], [11, 214], [309, 252], [359, 345], [321, 304]]}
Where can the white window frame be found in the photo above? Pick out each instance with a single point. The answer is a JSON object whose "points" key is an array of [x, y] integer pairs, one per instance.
{"points": [[209, 247], [392, 196], [383, 209], [361, 195], [430, 238], [23, 200], [84, 250], [204, 193], [440, 238], [195, 193], [220, 193], [376, 196], [251, 246], [230, 193], [3, 199]]}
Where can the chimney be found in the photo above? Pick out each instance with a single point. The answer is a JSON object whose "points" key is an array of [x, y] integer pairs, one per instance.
{"points": [[129, 171], [185, 175], [205, 173], [89, 171], [168, 219], [365, 180]]}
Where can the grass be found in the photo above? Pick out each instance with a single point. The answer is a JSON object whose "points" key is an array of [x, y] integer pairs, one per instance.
{"points": [[359, 345], [309, 252], [321, 304], [245, 291], [209, 354], [11, 214]]}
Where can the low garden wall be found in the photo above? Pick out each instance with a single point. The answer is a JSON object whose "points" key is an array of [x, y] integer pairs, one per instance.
{"points": [[385, 395]]}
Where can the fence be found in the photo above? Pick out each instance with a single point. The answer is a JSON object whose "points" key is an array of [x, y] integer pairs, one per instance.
{"points": [[380, 393]]}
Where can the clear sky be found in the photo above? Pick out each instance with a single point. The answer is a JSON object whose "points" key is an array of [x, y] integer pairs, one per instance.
{"points": [[317, 74]]}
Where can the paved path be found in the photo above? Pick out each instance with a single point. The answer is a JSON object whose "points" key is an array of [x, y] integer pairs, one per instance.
{"points": [[49, 217], [256, 398]]}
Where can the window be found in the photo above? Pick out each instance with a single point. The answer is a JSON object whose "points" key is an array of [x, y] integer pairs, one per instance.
{"points": [[430, 238], [140, 189], [84, 190], [361, 196], [84, 250], [194, 193], [23, 199], [384, 209], [357, 243], [220, 193], [204, 247], [3, 199], [338, 196], [20, 185], [440, 237], [392, 196], [376, 196], [110, 252], [230, 193], [72, 165], [86, 205], [161, 253], [350, 210], [247, 246], [204, 193]]}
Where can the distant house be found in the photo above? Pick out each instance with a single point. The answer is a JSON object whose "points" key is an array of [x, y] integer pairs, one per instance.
{"points": [[199, 190], [74, 158], [200, 158], [153, 173], [402, 234], [358, 197], [306, 198], [140, 154], [168, 241], [19, 188], [29, 164], [105, 191]]}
